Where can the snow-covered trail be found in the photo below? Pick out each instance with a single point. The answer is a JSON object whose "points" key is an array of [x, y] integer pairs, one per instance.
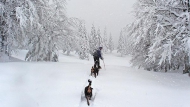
{"points": [[59, 84], [41, 84], [83, 101]]}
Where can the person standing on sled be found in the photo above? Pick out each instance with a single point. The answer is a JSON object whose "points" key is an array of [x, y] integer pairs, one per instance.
{"points": [[97, 54]]}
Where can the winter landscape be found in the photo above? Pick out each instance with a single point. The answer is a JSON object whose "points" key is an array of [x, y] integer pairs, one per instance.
{"points": [[60, 84], [48, 47]]}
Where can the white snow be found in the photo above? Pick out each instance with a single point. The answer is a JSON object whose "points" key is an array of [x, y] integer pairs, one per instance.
{"points": [[60, 84]]}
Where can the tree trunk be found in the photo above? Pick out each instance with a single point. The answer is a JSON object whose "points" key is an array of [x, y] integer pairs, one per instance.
{"points": [[188, 5], [186, 65], [165, 68]]}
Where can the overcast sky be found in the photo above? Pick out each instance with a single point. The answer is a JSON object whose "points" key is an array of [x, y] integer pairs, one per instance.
{"points": [[112, 14]]}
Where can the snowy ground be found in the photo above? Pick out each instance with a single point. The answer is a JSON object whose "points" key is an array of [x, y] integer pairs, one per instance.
{"points": [[60, 84]]}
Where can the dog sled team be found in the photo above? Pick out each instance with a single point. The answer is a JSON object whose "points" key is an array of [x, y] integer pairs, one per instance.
{"points": [[94, 71]]}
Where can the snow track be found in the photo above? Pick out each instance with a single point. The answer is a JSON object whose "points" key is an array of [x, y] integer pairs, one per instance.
{"points": [[83, 101]]}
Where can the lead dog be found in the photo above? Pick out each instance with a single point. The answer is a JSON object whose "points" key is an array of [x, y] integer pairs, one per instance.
{"points": [[88, 92]]}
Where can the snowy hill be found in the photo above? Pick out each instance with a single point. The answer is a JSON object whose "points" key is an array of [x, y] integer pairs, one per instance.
{"points": [[60, 84]]}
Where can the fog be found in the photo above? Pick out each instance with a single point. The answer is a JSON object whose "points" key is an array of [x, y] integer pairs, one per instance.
{"points": [[112, 14]]}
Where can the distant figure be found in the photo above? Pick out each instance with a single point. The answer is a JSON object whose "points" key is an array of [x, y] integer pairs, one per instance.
{"points": [[97, 54], [88, 92]]}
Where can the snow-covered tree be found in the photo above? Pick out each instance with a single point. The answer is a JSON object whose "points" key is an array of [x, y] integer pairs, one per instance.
{"points": [[141, 30], [111, 44], [80, 39], [49, 28], [92, 42], [98, 38], [4, 23], [121, 44], [105, 41], [167, 47], [95, 40], [70, 42], [40, 26], [160, 35], [83, 50], [129, 49], [86, 43], [13, 19]]}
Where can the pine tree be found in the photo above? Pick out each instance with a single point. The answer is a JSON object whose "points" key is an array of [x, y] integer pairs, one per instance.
{"points": [[48, 30], [34, 25], [13, 19], [121, 44], [129, 47], [92, 41], [105, 41], [111, 44], [98, 39], [86, 49], [70, 40], [160, 35], [83, 42]]}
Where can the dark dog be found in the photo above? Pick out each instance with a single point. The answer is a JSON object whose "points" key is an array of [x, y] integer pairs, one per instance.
{"points": [[88, 92], [95, 71]]}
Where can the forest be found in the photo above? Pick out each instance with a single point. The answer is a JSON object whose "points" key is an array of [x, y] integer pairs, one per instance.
{"points": [[157, 40]]}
